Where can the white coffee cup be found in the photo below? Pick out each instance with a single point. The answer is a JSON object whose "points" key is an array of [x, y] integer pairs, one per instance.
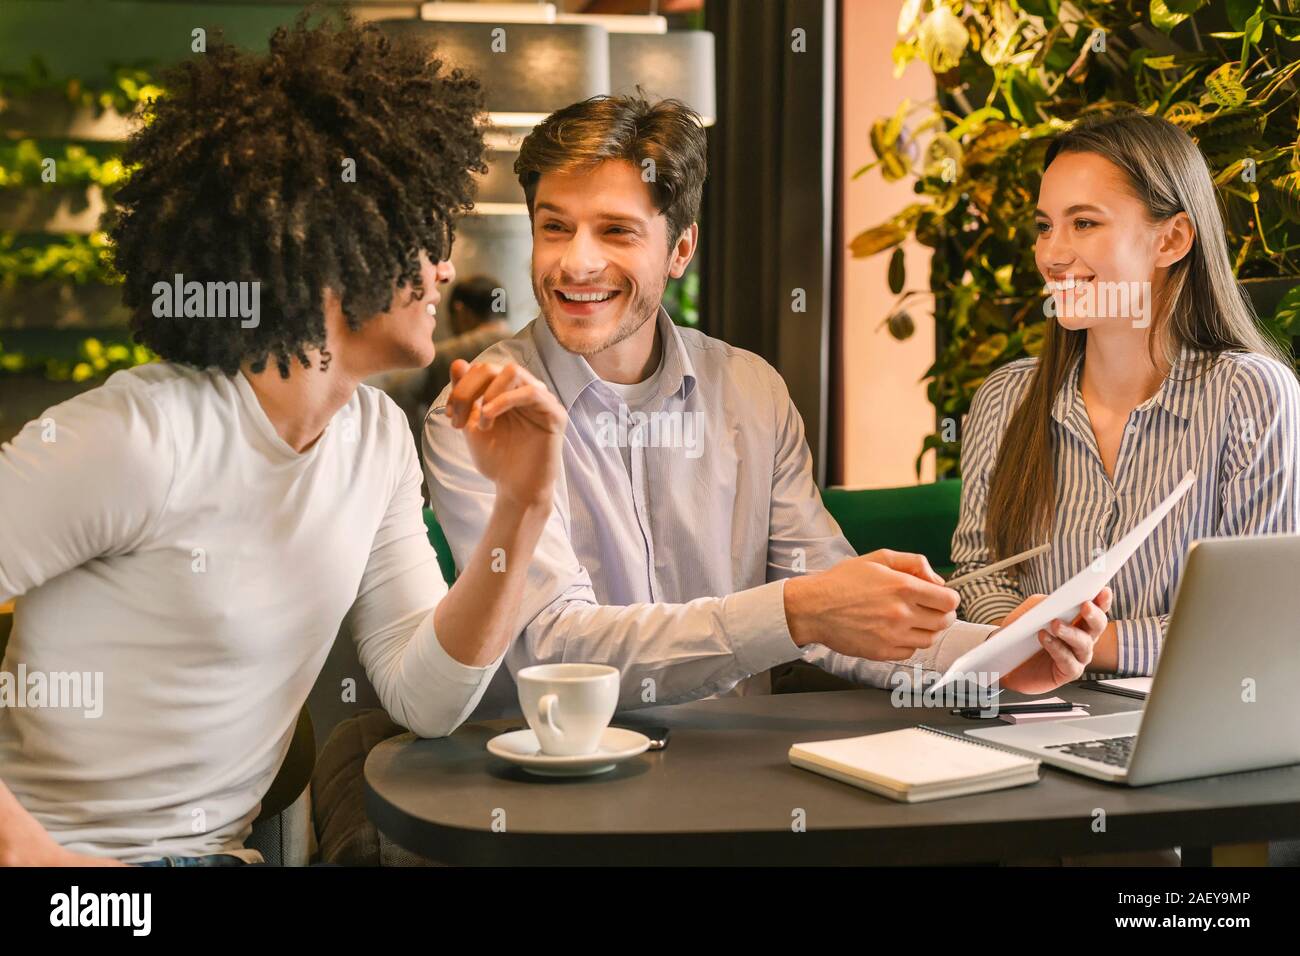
{"points": [[568, 706]]}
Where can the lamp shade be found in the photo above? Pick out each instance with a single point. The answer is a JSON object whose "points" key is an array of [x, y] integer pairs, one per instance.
{"points": [[618, 22], [528, 70], [481, 12], [677, 64]]}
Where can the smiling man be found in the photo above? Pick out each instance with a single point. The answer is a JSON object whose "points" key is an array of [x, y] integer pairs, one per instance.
{"points": [[692, 566]]}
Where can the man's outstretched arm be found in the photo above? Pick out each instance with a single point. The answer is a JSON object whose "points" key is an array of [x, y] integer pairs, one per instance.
{"points": [[666, 653]]}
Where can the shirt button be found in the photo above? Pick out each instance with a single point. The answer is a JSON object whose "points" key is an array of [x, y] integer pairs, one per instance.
{"points": [[1132, 429]]}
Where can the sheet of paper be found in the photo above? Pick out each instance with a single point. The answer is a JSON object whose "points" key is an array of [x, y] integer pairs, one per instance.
{"points": [[1010, 647], [1050, 715]]}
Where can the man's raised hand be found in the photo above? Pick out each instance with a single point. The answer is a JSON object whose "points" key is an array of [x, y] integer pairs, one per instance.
{"points": [[514, 427]]}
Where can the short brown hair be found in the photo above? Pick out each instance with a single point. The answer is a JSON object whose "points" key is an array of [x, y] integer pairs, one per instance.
{"points": [[630, 128]]}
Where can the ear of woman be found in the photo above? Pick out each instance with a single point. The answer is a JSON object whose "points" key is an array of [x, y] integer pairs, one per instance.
{"points": [[1176, 237]]}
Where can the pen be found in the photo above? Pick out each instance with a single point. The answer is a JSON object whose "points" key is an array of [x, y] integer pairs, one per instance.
{"points": [[997, 565], [1028, 707]]}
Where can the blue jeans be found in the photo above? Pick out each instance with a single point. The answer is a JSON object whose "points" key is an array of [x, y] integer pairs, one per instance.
{"points": [[211, 859]]}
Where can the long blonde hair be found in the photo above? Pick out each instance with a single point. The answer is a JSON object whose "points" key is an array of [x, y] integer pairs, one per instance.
{"points": [[1202, 306]]}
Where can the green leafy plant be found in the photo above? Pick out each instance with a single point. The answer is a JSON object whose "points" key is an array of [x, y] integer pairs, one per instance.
{"points": [[80, 260], [682, 299], [1010, 74], [70, 258], [95, 359], [128, 87], [23, 162]]}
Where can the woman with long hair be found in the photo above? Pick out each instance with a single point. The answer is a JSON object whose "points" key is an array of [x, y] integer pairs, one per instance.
{"points": [[1152, 365]]}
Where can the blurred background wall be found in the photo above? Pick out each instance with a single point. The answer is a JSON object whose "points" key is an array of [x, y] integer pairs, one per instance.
{"points": [[885, 414], [768, 206]]}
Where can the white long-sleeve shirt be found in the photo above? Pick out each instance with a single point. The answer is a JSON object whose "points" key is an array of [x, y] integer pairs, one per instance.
{"points": [[667, 552], [157, 531]]}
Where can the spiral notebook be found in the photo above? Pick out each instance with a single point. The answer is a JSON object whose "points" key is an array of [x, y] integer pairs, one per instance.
{"points": [[916, 764]]}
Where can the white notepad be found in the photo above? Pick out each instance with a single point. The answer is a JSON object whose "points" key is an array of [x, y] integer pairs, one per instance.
{"points": [[916, 764]]}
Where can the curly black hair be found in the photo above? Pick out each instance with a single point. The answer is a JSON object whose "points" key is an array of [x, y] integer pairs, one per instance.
{"points": [[241, 178]]}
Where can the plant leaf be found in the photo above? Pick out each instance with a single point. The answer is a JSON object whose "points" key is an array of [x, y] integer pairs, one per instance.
{"points": [[897, 272], [876, 240], [1164, 19], [1254, 28], [1288, 187], [1287, 315], [974, 122], [989, 349], [1239, 11], [1223, 87], [892, 165], [907, 16], [1159, 62], [1184, 114], [995, 139], [942, 39]]}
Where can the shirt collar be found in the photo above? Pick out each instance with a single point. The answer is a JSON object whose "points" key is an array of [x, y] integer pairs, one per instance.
{"points": [[573, 374], [1177, 393]]}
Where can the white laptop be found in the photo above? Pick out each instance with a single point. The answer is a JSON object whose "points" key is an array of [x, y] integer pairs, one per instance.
{"points": [[1224, 697]]}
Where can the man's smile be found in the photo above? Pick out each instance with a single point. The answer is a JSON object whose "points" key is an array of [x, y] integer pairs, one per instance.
{"points": [[585, 301]]}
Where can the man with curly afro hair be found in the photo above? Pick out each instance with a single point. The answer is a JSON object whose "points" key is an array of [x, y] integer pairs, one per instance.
{"points": [[189, 537]]}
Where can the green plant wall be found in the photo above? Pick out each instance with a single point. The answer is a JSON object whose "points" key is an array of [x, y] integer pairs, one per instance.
{"points": [[70, 72]]}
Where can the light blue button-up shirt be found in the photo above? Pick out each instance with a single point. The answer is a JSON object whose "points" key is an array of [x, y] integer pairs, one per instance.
{"points": [[669, 566]]}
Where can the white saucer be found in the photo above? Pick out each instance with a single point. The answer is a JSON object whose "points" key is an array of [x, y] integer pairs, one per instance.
{"points": [[521, 748]]}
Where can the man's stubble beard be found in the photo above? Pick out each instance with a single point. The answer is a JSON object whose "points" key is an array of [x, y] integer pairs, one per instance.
{"points": [[637, 313]]}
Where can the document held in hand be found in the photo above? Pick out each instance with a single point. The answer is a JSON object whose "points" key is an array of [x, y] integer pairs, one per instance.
{"points": [[1010, 647]]}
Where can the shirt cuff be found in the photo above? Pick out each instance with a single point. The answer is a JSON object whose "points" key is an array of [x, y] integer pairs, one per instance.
{"points": [[1138, 641], [757, 627], [989, 607], [953, 643]]}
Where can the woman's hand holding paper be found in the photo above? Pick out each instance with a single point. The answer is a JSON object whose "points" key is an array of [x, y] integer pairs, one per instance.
{"points": [[1067, 649]]}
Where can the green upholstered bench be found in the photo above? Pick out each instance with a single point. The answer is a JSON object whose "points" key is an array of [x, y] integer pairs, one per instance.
{"points": [[446, 563], [918, 518]]}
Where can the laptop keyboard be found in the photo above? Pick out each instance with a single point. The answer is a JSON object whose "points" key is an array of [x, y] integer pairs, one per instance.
{"points": [[1115, 751]]}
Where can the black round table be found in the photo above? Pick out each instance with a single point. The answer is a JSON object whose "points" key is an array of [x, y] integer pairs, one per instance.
{"points": [[723, 792]]}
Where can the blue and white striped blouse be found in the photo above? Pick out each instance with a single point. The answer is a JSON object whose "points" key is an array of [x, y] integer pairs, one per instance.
{"points": [[1235, 421]]}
